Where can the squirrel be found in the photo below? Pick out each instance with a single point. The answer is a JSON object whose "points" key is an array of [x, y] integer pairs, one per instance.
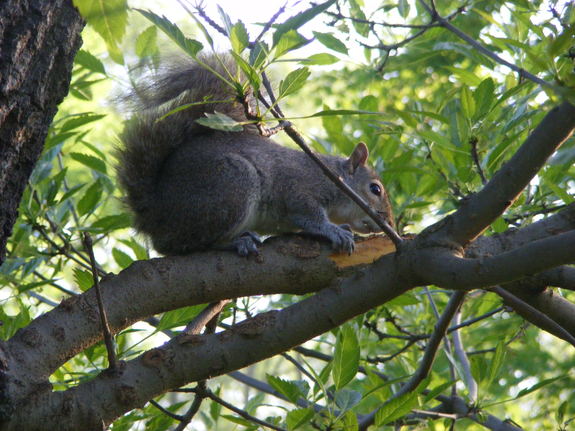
{"points": [[192, 188]]}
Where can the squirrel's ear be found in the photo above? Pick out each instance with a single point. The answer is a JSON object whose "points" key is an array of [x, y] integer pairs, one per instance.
{"points": [[357, 158]]}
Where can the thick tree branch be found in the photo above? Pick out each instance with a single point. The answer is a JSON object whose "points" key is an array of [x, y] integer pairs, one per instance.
{"points": [[442, 268], [181, 361], [481, 209], [295, 265]]}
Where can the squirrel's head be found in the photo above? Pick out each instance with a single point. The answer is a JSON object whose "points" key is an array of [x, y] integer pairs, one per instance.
{"points": [[365, 182]]}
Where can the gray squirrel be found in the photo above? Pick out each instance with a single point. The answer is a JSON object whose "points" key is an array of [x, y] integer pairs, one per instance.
{"points": [[191, 188]]}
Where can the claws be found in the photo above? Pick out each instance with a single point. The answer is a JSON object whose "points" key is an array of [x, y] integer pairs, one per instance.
{"points": [[247, 243]]}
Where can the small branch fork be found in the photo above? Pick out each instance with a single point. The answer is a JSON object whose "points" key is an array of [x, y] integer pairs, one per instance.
{"points": [[108, 339]]}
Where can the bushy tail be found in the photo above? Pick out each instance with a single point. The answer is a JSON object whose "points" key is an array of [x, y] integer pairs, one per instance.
{"points": [[148, 141]]}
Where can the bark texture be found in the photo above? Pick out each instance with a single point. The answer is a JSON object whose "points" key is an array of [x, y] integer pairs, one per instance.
{"points": [[38, 42]]}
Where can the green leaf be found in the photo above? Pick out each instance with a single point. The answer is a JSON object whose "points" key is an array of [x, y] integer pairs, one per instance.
{"points": [[92, 162], [109, 18], [346, 357], [112, 222], [178, 317], [350, 422], [438, 390], [346, 399], [91, 199], [288, 42], [537, 386], [250, 71], [496, 362], [298, 417], [140, 251], [89, 61], [190, 46], [292, 390], [322, 59], [300, 19], [293, 82], [403, 8], [396, 409], [239, 37], [484, 96], [80, 120], [122, 258], [359, 23], [331, 42], [83, 278], [238, 420], [467, 102], [147, 42], [219, 121]]}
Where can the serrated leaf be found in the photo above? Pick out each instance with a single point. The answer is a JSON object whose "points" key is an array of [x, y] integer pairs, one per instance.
{"points": [[290, 389], [89, 61], [322, 59], [359, 23], [90, 161], [122, 258], [298, 417], [438, 390], [403, 8], [219, 121], [190, 46], [467, 102], [330, 41], [83, 279], [294, 81], [140, 251], [537, 386], [178, 317], [250, 71], [346, 399], [109, 18], [496, 362], [147, 42], [80, 120], [484, 95], [112, 222], [239, 37], [346, 357], [289, 41], [396, 409], [300, 19], [90, 199]]}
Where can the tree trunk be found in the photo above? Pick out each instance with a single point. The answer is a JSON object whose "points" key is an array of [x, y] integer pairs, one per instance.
{"points": [[38, 42]]}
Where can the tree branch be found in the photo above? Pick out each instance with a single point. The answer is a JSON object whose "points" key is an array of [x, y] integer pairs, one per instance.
{"points": [[442, 268]]}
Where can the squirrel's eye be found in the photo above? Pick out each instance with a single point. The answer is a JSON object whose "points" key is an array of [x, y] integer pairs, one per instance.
{"points": [[375, 189]]}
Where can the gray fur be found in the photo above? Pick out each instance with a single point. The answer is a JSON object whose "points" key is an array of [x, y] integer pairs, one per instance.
{"points": [[192, 188]]}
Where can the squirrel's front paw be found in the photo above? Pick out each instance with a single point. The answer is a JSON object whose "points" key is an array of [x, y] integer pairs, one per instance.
{"points": [[247, 243], [341, 238]]}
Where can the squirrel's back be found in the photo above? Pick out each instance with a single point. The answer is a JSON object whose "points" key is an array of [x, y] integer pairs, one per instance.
{"points": [[148, 139]]}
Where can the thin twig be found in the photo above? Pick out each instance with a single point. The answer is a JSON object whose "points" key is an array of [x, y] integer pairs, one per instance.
{"points": [[108, 339], [194, 408], [165, 411], [475, 156], [240, 412]]}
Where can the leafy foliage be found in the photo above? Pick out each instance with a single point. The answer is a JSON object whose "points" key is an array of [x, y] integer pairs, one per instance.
{"points": [[440, 118]]}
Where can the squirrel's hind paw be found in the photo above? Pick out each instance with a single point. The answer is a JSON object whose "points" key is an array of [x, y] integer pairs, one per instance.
{"points": [[247, 243]]}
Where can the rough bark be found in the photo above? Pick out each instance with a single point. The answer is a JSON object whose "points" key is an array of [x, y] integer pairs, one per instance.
{"points": [[38, 42]]}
